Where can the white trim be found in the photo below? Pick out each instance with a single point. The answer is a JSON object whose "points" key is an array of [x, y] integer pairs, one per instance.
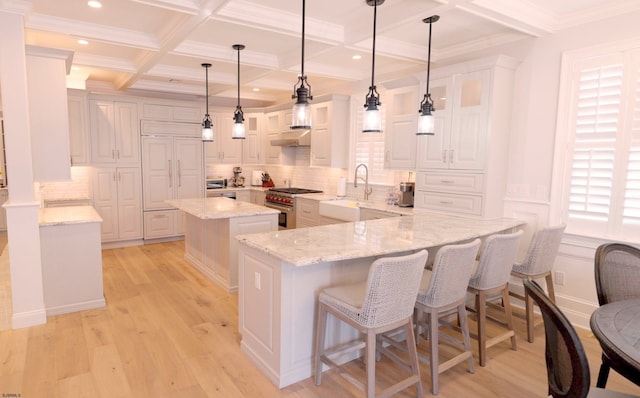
{"points": [[29, 318]]}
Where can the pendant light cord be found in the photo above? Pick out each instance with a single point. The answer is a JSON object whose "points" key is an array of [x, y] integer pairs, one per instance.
{"points": [[303, 18], [373, 60], [206, 86], [429, 57], [238, 77]]}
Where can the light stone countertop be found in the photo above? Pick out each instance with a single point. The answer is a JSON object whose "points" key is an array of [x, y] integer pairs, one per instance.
{"points": [[219, 207], [336, 242], [363, 204], [67, 215]]}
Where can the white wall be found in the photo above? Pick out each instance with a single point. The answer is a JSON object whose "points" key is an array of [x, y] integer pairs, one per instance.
{"points": [[530, 166]]}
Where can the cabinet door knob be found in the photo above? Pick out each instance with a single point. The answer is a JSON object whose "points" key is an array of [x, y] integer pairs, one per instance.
{"points": [[179, 174]]}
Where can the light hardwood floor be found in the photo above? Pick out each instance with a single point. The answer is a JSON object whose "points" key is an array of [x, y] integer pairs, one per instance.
{"points": [[167, 331]]}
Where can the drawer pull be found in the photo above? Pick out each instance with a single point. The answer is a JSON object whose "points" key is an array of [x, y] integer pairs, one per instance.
{"points": [[446, 202], [447, 181]]}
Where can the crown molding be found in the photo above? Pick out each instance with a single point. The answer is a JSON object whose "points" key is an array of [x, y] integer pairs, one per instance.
{"points": [[520, 15], [612, 9], [226, 54], [479, 44], [54, 53], [20, 7], [180, 73], [191, 7], [252, 14], [98, 61], [102, 33], [334, 72]]}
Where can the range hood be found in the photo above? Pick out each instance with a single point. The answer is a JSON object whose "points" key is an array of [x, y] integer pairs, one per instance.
{"points": [[293, 138]]}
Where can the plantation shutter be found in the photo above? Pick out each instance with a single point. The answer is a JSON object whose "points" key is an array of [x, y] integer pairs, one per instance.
{"points": [[369, 149]]}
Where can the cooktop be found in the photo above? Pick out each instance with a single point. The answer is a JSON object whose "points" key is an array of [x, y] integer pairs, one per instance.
{"points": [[294, 191]]}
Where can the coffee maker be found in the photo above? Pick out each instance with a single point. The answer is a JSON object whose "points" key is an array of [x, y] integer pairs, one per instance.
{"points": [[406, 194]]}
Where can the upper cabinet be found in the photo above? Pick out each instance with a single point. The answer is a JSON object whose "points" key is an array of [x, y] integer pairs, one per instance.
{"points": [[462, 114], [330, 133], [462, 167], [275, 123], [48, 114], [114, 132], [172, 113], [223, 149], [78, 127], [400, 127], [253, 145]]}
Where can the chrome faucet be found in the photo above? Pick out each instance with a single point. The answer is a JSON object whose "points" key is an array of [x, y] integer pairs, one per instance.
{"points": [[367, 190]]}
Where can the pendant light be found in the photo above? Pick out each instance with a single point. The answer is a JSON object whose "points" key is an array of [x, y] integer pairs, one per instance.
{"points": [[426, 121], [372, 118], [207, 130], [301, 114], [238, 116]]}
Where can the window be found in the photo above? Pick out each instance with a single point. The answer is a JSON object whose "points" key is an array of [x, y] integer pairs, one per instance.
{"points": [[369, 149], [602, 182]]}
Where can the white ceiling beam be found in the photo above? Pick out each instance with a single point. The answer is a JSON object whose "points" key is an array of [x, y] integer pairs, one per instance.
{"points": [[196, 49], [102, 62], [520, 15], [191, 7]]}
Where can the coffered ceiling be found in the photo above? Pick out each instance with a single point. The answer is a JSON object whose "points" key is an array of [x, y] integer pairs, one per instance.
{"points": [[156, 47]]}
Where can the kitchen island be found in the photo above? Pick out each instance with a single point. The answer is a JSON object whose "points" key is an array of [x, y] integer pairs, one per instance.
{"points": [[282, 273], [211, 225]]}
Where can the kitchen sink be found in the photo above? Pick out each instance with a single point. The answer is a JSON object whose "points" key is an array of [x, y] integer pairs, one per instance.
{"points": [[340, 209]]}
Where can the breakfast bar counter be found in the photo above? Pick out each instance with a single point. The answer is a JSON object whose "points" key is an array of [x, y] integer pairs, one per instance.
{"points": [[281, 274], [211, 225]]}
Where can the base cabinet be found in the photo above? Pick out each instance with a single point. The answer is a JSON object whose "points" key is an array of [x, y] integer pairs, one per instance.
{"points": [[117, 197]]}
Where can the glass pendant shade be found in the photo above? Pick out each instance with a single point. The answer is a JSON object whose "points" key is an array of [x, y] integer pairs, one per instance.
{"points": [[207, 130], [238, 125], [301, 116], [301, 112], [372, 121], [426, 124]]}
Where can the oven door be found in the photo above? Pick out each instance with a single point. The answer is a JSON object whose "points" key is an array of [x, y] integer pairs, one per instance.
{"points": [[287, 216]]}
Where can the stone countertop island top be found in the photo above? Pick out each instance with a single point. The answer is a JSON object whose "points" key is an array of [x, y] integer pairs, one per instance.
{"points": [[67, 215], [336, 242], [219, 207]]}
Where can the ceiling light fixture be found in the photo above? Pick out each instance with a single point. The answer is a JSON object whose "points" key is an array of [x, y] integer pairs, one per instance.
{"points": [[94, 4], [238, 116], [301, 115], [372, 118], [83, 42], [207, 129], [426, 121]]}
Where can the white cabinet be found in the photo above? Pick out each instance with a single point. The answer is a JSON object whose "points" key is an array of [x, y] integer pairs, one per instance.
{"points": [[223, 149], [172, 113], [330, 133], [258, 197], [253, 145], [308, 214], [462, 111], [243, 195], [114, 133], [375, 214], [172, 168], [401, 126], [117, 197], [462, 168], [275, 123], [78, 127]]}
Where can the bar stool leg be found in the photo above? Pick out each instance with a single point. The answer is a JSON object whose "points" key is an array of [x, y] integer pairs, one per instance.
{"points": [[506, 304], [321, 325], [413, 355], [481, 313], [433, 341], [466, 338], [371, 363], [550, 288]]}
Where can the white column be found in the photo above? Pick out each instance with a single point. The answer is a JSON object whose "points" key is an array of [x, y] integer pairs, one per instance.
{"points": [[22, 209]]}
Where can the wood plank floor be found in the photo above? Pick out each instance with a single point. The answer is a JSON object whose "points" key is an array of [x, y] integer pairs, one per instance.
{"points": [[167, 331]]}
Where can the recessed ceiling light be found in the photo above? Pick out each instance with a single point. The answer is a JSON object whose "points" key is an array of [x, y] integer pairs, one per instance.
{"points": [[256, 89], [75, 68], [83, 42], [357, 56], [94, 4]]}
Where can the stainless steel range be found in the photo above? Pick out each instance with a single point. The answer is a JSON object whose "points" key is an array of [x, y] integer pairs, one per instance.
{"points": [[284, 199]]}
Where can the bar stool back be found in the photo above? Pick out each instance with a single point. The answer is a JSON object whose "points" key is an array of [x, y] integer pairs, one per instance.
{"points": [[491, 278], [538, 263], [383, 303], [443, 291]]}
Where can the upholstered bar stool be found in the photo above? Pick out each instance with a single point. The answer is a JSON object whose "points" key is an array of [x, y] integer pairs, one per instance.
{"points": [[538, 263], [443, 291], [491, 280], [382, 303]]}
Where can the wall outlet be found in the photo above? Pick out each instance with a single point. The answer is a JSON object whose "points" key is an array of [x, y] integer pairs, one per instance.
{"points": [[558, 278]]}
